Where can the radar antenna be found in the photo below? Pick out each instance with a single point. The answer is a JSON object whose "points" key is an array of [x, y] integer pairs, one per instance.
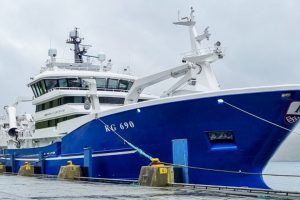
{"points": [[76, 40]]}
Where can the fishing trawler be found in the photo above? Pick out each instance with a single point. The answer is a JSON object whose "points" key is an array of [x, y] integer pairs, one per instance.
{"points": [[219, 137]]}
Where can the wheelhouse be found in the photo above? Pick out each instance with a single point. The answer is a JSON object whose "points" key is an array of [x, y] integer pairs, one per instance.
{"points": [[44, 86]]}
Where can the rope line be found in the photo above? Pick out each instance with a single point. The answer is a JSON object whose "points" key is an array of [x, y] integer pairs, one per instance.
{"points": [[140, 151], [258, 117], [230, 171]]}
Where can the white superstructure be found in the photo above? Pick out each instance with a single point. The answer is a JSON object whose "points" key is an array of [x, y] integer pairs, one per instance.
{"points": [[69, 94]]}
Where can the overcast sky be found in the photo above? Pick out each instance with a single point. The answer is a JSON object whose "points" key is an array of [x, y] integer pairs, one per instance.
{"points": [[262, 38]]}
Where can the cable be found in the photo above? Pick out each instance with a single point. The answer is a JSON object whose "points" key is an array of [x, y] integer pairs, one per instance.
{"points": [[256, 116], [140, 151], [230, 171]]}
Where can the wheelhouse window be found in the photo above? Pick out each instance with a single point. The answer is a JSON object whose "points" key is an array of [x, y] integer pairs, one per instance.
{"points": [[51, 83], [37, 90], [38, 87], [123, 84], [34, 90], [101, 82], [62, 82], [43, 86], [112, 83], [74, 82]]}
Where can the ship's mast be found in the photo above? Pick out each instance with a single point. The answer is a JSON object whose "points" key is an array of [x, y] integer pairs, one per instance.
{"points": [[194, 37], [205, 80], [76, 40]]}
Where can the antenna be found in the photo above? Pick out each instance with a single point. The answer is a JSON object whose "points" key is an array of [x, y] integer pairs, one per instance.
{"points": [[76, 40], [194, 37]]}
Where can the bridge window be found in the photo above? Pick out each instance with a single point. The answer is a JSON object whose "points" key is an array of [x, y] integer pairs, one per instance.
{"points": [[51, 83], [63, 82], [74, 82], [43, 86], [112, 83], [101, 82], [37, 85], [37, 90], [123, 84], [34, 90]]}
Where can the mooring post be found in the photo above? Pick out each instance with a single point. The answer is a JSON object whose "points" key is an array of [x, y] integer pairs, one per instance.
{"points": [[42, 162], [88, 161]]}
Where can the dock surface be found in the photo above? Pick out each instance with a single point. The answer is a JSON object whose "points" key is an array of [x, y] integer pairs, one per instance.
{"points": [[14, 187], [25, 188]]}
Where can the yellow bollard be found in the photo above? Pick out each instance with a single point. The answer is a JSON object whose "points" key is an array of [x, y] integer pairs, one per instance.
{"points": [[70, 171], [157, 175], [27, 166], [2, 168], [155, 162], [69, 162], [26, 170]]}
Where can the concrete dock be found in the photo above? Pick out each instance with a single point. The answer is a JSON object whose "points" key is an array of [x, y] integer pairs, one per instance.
{"points": [[25, 188]]}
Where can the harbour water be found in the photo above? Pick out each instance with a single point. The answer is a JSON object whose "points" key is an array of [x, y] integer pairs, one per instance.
{"points": [[25, 188]]}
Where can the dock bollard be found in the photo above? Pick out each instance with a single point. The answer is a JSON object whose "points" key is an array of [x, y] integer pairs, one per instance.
{"points": [[69, 172], [156, 175], [26, 170], [2, 168]]}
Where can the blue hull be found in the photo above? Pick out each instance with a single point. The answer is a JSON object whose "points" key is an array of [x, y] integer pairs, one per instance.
{"points": [[154, 127]]}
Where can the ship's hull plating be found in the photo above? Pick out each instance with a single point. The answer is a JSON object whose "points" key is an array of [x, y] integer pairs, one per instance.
{"points": [[154, 127]]}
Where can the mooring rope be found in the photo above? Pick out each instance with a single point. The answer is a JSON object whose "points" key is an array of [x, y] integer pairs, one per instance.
{"points": [[220, 101], [229, 171], [140, 151]]}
